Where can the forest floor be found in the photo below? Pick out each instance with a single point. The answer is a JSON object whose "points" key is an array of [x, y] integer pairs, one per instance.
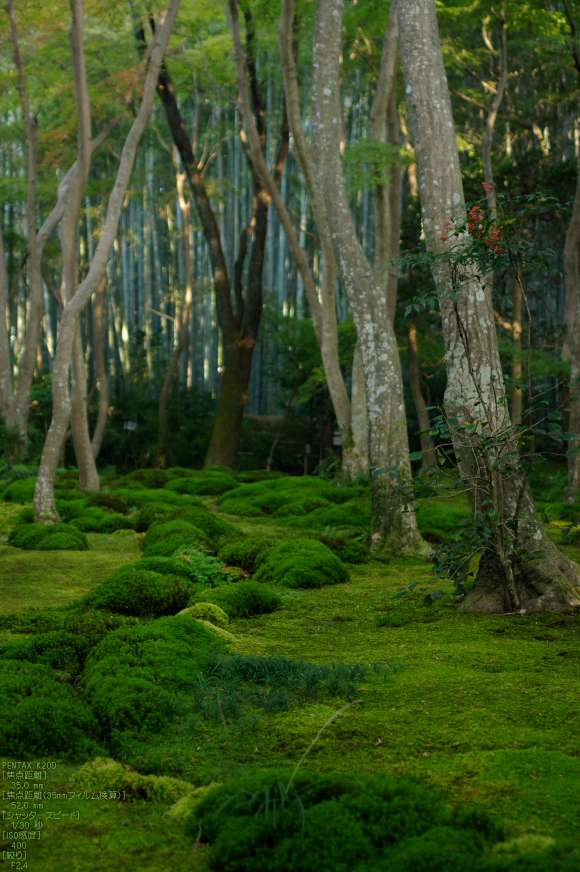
{"points": [[482, 708]]}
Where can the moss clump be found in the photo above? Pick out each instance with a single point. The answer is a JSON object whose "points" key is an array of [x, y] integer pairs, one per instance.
{"points": [[42, 716], [207, 612], [141, 593], [56, 649], [109, 501], [302, 563], [349, 550], [241, 600], [439, 520], [215, 528], [164, 538], [332, 822], [20, 491], [107, 774], [150, 514], [152, 479], [131, 675], [245, 553], [48, 537], [94, 520], [164, 566]]}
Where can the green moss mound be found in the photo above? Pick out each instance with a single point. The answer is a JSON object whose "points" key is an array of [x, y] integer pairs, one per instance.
{"points": [[132, 675], [141, 592], [152, 479], [138, 497], [439, 520], [164, 538], [109, 501], [150, 514], [245, 553], [95, 520], [286, 497], [241, 600], [215, 528], [107, 774], [331, 823], [209, 612], [56, 649], [21, 491], [207, 483], [302, 563], [353, 514], [48, 537], [42, 716], [164, 566], [349, 550]]}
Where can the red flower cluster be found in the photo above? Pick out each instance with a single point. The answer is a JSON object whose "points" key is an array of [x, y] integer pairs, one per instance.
{"points": [[475, 228]]}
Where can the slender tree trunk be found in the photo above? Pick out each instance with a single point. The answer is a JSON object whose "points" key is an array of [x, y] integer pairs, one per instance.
{"points": [[44, 506], [360, 428], [7, 399], [504, 582], [517, 393], [354, 456], [394, 525], [100, 327], [427, 447], [183, 316], [35, 304], [571, 347]]}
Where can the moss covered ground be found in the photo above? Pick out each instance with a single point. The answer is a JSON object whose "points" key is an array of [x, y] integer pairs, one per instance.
{"points": [[482, 708]]}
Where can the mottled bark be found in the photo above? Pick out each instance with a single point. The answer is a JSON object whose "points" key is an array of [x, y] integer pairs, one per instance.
{"points": [[354, 456], [393, 525], [183, 316], [7, 399], [427, 447], [27, 360], [44, 506], [475, 382], [360, 427], [101, 370], [385, 129], [88, 475]]}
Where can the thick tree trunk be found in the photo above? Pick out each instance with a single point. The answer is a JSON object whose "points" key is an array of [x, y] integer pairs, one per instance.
{"points": [[393, 525], [232, 402], [8, 407], [44, 506], [101, 374], [427, 447], [475, 381]]}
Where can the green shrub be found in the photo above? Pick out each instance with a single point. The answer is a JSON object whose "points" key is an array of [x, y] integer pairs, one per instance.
{"points": [[70, 509], [302, 563], [215, 528], [241, 600], [164, 538], [332, 823], [141, 593], [21, 491], [148, 515], [245, 553], [206, 569], [40, 716], [48, 537]]}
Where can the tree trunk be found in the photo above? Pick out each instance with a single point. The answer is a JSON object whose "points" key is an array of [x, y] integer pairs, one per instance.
{"points": [[100, 326], [354, 455], [44, 506], [504, 581], [7, 399], [571, 347], [360, 429], [517, 393], [427, 447], [393, 524], [88, 475]]}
